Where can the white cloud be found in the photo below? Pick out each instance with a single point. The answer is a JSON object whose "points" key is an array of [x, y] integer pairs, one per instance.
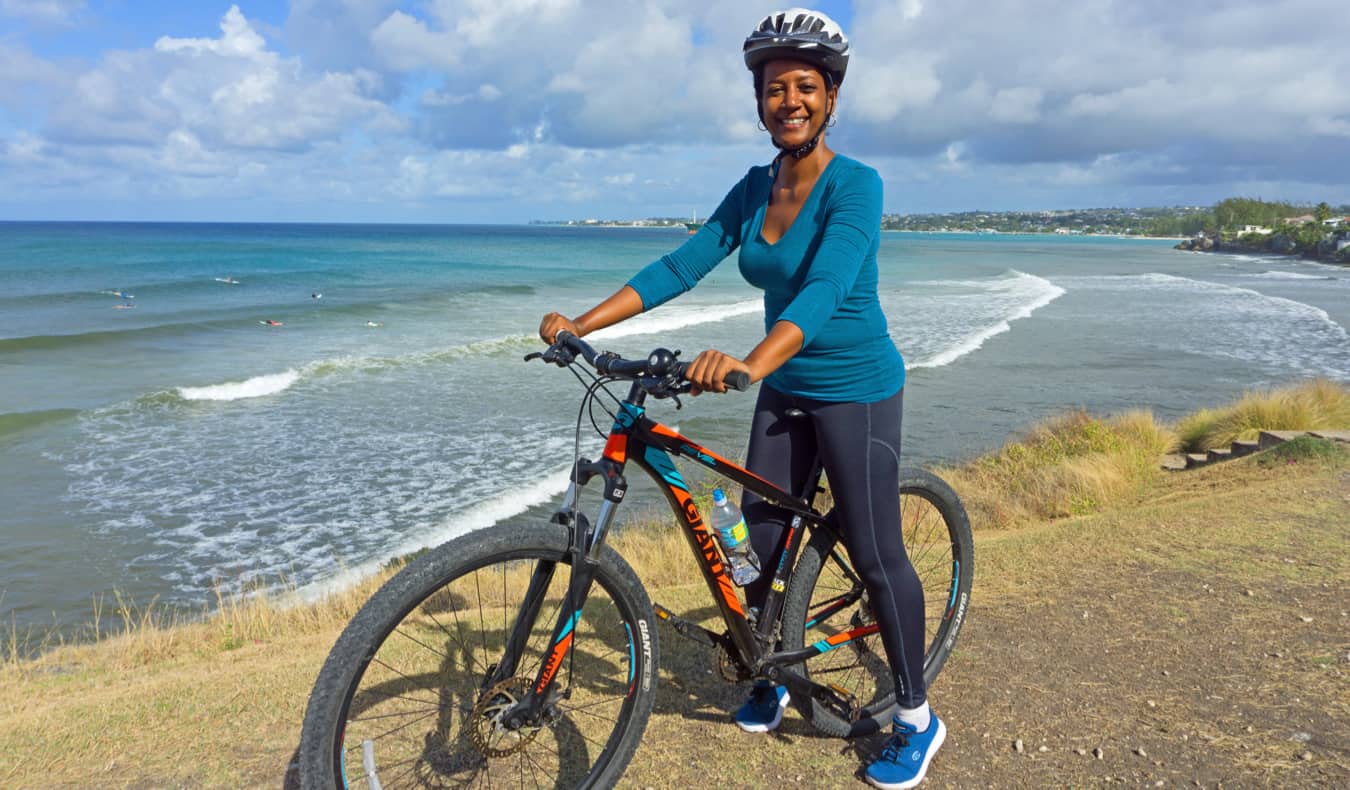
{"points": [[601, 73], [24, 148], [406, 44], [883, 90], [230, 92], [237, 39], [1016, 105], [27, 81], [491, 104], [58, 12]]}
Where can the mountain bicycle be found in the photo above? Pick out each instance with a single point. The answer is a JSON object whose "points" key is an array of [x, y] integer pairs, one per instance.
{"points": [[526, 655]]}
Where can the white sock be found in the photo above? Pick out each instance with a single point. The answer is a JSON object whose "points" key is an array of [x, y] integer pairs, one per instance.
{"points": [[918, 718]]}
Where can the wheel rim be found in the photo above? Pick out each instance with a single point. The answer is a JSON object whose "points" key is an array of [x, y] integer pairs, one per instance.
{"points": [[420, 714], [839, 604]]}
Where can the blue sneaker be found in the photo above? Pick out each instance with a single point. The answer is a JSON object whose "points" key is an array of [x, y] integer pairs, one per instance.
{"points": [[764, 710], [905, 757]]}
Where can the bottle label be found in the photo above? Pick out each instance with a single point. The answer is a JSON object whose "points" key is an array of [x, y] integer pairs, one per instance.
{"points": [[735, 534]]}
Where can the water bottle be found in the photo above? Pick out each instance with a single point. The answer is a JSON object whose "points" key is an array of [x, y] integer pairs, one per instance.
{"points": [[730, 527]]}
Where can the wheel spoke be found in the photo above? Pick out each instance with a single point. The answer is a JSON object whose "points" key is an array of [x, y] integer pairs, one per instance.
{"points": [[936, 535], [422, 695]]}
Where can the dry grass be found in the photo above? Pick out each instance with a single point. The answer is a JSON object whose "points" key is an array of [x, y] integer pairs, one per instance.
{"points": [[1072, 465], [1303, 407], [214, 699], [128, 635], [1069, 466], [214, 715]]}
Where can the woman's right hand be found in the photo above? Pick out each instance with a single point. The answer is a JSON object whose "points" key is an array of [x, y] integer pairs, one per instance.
{"points": [[554, 323]]}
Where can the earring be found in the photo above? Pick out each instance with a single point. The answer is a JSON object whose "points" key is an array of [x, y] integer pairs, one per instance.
{"points": [[760, 125], [833, 119]]}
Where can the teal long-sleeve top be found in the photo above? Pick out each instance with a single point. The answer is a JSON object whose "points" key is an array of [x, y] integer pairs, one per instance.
{"points": [[821, 276]]}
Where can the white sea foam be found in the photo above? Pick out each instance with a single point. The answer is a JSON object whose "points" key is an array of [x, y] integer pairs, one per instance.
{"points": [[662, 319], [255, 387], [1025, 294], [1274, 275], [484, 514], [669, 317], [1228, 321]]}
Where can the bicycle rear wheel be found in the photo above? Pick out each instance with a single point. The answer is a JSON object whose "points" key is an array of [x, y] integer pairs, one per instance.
{"points": [[825, 598], [406, 699]]}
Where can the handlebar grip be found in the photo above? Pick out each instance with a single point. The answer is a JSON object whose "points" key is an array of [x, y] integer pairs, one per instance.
{"points": [[737, 380], [576, 344]]}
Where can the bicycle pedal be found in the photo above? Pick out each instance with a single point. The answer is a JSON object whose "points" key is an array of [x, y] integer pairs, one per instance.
{"points": [[854, 707]]}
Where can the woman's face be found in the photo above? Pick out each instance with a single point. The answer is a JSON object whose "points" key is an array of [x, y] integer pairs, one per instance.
{"points": [[795, 103]]}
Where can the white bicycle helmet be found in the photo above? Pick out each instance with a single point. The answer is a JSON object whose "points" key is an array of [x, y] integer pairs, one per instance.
{"points": [[800, 34]]}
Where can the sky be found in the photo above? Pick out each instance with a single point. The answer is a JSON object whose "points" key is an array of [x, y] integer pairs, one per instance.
{"points": [[448, 111]]}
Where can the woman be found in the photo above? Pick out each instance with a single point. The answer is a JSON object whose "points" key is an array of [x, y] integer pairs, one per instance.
{"points": [[808, 226]]}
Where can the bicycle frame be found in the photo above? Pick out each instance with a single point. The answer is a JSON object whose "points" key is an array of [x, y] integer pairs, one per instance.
{"points": [[638, 439]]}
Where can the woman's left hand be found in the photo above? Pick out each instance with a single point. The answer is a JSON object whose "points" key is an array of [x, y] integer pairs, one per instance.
{"points": [[709, 368]]}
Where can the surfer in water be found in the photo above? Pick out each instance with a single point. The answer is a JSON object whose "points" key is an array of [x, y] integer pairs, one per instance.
{"points": [[270, 322]]}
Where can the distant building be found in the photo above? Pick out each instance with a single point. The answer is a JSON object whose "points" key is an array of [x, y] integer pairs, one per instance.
{"points": [[1300, 220], [1255, 229]]}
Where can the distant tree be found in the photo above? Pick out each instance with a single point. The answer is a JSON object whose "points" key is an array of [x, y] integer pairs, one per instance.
{"points": [[1231, 213], [1322, 212]]}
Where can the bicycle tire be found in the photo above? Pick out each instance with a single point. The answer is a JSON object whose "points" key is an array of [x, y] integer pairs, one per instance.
{"points": [[408, 674], [938, 542]]}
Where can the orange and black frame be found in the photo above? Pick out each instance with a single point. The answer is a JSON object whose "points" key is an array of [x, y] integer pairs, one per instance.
{"points": [[748, 640]]}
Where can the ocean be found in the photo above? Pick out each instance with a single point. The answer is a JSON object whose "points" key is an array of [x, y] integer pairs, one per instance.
{"points": [[158, 438]]}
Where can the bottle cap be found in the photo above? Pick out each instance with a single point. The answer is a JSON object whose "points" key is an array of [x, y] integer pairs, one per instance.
{"points": [[718, 496]]}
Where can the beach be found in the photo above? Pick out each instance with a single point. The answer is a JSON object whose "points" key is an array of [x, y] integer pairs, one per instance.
{"points": [[163, 441]]}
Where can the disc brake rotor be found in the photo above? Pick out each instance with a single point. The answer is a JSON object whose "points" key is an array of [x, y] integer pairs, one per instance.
{"points": [[489, 732]]}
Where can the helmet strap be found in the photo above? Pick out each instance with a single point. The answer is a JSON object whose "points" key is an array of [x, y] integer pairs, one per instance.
{"points": [[806, 148]]}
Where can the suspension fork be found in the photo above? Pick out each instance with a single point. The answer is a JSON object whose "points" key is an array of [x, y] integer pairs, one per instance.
{"points": [[584, 545]]}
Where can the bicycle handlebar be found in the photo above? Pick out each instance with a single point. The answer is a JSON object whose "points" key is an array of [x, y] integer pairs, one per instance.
{"points": [[661, 363]]}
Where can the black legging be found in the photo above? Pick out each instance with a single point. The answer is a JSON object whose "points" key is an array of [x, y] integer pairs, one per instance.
{"points": [[859, 447]]}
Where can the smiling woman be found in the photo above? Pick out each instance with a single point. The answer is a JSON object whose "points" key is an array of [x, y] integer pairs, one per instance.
{"points": [[808, 226]]}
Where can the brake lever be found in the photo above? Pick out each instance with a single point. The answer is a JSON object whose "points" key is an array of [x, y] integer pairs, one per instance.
{"points": [[556, 354]]}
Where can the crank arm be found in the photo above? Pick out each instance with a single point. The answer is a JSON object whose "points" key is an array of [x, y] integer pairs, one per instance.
{"points": [[837, 699], [687, 629]]}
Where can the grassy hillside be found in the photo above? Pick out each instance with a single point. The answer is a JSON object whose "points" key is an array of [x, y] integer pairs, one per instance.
{"points": [[1191, 626]]}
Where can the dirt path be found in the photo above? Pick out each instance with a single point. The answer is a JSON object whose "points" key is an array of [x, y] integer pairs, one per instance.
{"points": [[1203, 641]]}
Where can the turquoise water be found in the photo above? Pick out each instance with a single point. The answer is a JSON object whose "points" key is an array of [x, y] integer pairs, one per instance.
{"points": [[165, 441]]}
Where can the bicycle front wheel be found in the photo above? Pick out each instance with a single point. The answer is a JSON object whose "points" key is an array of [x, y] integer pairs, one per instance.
{"points": [[826, 599], [411, 695]]}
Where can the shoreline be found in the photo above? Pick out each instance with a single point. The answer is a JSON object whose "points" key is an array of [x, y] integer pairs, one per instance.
{"points": [[1019, 234], [1271, 255]]}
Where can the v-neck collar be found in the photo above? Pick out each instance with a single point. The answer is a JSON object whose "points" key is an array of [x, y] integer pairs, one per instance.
{"points": [[815, 190]]}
